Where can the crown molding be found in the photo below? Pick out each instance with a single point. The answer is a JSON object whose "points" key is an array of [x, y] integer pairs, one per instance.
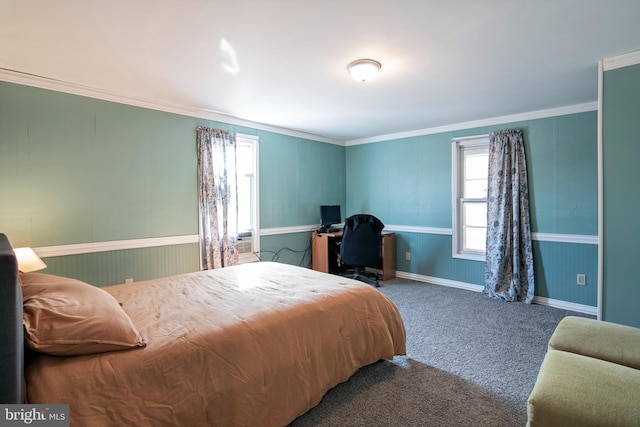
{"points": [[531, 115], [26, 79], [41, 82]]}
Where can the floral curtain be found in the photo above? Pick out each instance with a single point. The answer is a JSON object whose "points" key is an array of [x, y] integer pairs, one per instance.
{"points": [[218, 198], [509, 263]]}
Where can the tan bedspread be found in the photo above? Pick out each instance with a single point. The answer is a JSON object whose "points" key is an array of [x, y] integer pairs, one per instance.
{"points": [[252, 345]]}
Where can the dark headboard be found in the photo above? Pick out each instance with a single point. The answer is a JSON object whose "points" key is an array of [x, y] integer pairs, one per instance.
{"points": [[11, 329]]}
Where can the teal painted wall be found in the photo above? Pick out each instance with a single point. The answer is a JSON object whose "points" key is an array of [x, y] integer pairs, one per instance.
{"points": [[291, 248], [80, 170], [115, 267], [621, 174], [431, 256], [408, 182], [411, 183], [77, 170], [555, 263], [296, 177], [402, 182], [556, 267]]}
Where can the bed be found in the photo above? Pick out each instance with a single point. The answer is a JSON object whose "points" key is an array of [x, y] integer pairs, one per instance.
{"points": [[250, 345]]}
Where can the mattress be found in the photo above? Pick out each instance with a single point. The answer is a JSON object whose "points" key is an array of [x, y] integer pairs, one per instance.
{"points": [[252, 345]]}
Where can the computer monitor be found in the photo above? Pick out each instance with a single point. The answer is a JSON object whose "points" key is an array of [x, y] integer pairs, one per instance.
{"points": [[330, 215]]}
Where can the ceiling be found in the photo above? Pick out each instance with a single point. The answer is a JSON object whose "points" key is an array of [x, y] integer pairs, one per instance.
{"points": [[284, 62]]}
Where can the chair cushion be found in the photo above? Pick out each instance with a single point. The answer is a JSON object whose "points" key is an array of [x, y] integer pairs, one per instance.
{"points": [[601, 340], [576, 390]]}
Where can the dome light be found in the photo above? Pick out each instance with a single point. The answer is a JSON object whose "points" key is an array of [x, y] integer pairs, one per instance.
{"points": [[364, 70]]}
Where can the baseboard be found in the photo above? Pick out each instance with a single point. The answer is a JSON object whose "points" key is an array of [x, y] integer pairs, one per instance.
{"points": [[440, 281], [571, 306]]}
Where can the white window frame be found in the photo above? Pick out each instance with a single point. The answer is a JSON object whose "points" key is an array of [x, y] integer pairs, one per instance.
{"points": [[253, 141], [458, 145]]}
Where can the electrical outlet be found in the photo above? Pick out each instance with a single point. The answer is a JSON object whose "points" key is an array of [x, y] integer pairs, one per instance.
{"points": [[582, 279], [407, 256]]}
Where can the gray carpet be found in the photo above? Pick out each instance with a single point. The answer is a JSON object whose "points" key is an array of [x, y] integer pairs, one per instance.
{"points": [[471, 361]]}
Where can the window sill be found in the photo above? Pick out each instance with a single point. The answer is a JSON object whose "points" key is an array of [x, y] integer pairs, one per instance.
{"points": [[247, 258], [471, 256]]}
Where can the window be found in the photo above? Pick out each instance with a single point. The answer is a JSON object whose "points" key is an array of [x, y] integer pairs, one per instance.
{"points": [[470, 172], [248, 207]]}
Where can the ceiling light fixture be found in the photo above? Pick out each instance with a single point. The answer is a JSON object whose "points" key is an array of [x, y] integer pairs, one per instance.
{"points": [[363, 70]]}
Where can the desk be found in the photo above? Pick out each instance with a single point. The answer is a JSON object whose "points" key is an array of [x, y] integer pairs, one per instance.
{"points": [[324, 248]]}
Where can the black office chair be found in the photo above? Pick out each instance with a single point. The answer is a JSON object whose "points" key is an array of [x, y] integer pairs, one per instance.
{"points": [[360, 246]]}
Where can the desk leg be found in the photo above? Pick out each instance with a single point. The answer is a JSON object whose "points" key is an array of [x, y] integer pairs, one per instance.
{"points": [[388, 256], [319, 252]]}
